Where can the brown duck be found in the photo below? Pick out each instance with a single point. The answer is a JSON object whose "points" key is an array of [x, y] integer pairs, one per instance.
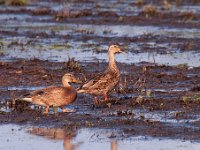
{"points": [[104, 82], [56, 96]]}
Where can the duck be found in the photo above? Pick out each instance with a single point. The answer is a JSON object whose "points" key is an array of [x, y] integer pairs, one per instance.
{"points": [[104, 82], [56, 96]]}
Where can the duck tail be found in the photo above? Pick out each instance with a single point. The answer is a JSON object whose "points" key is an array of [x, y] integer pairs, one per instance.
{"points": [[27, 99]]}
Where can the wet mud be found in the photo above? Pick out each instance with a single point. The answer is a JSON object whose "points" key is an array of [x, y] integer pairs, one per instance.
{"points": [[39, 43], [161, 101]]}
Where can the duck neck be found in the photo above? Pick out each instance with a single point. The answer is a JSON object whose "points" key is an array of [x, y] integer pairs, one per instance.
{"points": [[65, 83], [112, 63]]}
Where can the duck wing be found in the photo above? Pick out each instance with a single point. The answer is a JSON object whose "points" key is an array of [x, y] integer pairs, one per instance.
{"points": [[42, 92], [101, 80], [51, 96], [98, 78]]}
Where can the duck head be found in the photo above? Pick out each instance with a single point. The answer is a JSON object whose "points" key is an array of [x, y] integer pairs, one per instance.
{"points": [[69, 78], [114, 49]]}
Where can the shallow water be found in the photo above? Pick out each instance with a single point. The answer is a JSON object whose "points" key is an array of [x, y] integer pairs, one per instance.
{"points": [[98, 30], [58, 48], [55, 47], [27, 36], [190, 58], [24, 137], [167, 117], [20, 88]]}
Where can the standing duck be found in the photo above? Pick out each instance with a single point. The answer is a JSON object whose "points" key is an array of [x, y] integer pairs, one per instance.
{"points": [[104, 82], [56, 96]]}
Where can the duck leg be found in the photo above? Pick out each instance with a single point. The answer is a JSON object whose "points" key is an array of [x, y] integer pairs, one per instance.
{"points": [[46, 110], [55, 109], [96, 101], [106, 97]]}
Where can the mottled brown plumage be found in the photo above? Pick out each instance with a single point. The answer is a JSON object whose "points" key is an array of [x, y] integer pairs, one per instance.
{"points": [[104, 82], [56, 96]]}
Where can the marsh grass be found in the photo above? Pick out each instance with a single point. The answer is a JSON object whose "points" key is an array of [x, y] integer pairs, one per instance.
{"points": [[182, 66], [17, 2], [190, 99], [150, 11], [72, 64], [166, 5], [187, 16], [139, 3]]}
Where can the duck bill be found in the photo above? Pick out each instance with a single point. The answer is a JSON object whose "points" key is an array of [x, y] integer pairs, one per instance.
{"points": [[120, 51], [77, 81]]}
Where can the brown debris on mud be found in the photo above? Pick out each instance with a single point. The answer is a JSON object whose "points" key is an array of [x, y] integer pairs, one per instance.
{"points": [[153, 100], [167, 90], [146, 13]]}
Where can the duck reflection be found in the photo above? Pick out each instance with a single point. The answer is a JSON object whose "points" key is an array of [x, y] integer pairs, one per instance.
{"points": [[114, 145], [58, 133], [65, 134]]}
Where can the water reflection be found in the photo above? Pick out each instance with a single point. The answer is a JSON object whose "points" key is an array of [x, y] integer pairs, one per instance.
{"points": [[14, 137], [98, 140], [114, 145], [66, 135]]}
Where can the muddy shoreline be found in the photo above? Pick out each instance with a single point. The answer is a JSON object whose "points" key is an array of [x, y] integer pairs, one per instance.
{"points": [[159, 90], [168, 86]]}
